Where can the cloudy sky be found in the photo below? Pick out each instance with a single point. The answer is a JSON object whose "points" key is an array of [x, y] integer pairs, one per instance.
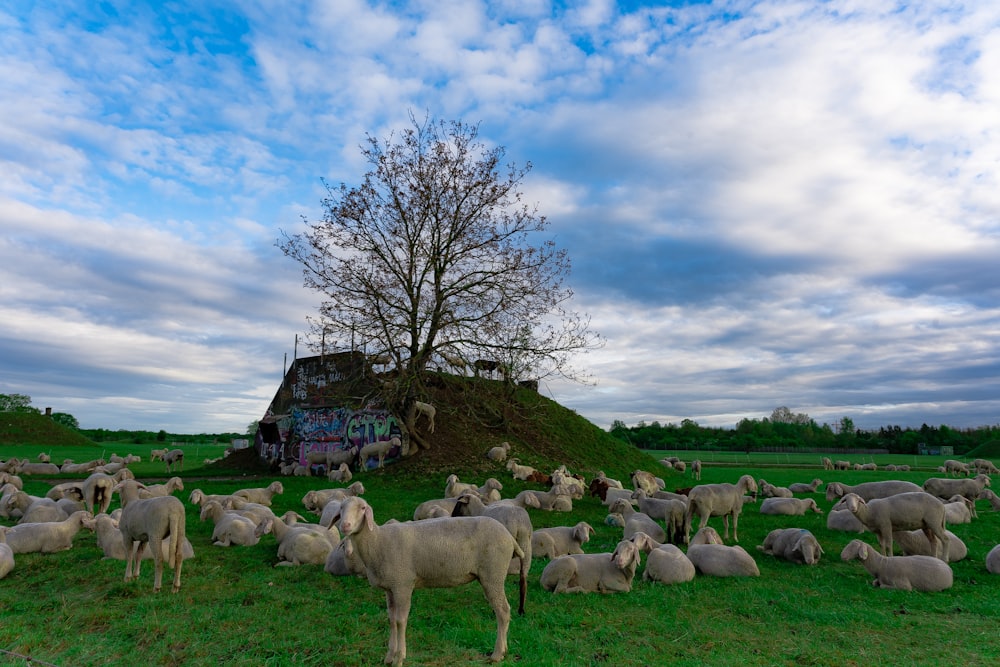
{"points": [[774, 203]]}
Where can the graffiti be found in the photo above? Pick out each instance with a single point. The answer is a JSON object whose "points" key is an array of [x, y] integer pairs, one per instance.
{"points": [[332, 429]]}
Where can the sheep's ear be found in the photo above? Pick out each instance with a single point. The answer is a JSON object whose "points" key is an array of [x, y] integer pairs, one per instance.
{"points": [[369, 517]]}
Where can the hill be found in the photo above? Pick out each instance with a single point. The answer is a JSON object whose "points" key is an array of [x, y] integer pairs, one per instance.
{"points": [[26, 428]]}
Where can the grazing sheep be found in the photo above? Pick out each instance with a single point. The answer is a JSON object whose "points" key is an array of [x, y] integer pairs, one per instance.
{"points": [[841, 465], [870, 490], [907, 573], [174, 457], [157, 454], [811, 487], [230, 527], [427, 410], [499, 453], [437, 553], [560, 540], [149, 522], [993, 560], [341, 474], [665, 563], [670, 511], [797, 545], [903, 511], [769, 490], [985, 466], [261, 496], [646, 481], [48, 537], [158, 490], [953, 467], [637, 522], [514, 519], [378, 450], [519, 471], [915, 543], [994, 500], [593, 573], [725, 500], [789, 506], [109, 539], [6, 554], [945, 488], [712, 558]]}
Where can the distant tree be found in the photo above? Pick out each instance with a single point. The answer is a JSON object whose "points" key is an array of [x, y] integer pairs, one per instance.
{"points": [[435, 253], [783, 415], [66, 419], [16, 403], [161, 436]]}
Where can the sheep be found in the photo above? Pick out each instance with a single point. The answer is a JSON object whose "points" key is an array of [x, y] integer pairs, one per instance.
{"points": [[157, 454], [149, 522], [959, 509], [454, 361], [427, 410], [945, 488], [612, 483], [670, 511], [68, 467], [695, 473], [870, 490], [842, 519], [490, 491], [841, 465], [6, 554], [519, 471], [575, 484], [499, 453], [637, 522], [28, 468], [915, 543], [599, 488], [646, 481], [868, 466], [903, 511], [157, 490], [769, 490], [174, 457], [800, 487], [72, 490], [7, 478], [254, 511], [435, 508], [48, 537], [556, 499], [724, 499], [953, 467], [341, 564], [680, 467], [797, 545], [789, 506], [712, 558], [987, 494], [109, 539], [316, 499], [98, 489], [300, 544], [665, 563], [514, 519], [539, 477], [921, 573], [199, 497], [993, 560], [341, 474], [560, 540], [588, 573], [300, 471], [454, 488], [262, 496], [437, 553], [985, 466], [378, 450], [827, 463], [41, 510], [525, 499], [230, 527], [44, 458]]}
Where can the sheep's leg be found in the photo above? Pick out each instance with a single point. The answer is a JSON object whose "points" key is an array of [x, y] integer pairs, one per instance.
{"points": [[398, 603], [495, 595], [179, 556], [157, 547]]}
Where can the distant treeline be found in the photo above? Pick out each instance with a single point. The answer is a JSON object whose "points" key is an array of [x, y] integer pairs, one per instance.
{"points": [[760, 434], [140, 437]]}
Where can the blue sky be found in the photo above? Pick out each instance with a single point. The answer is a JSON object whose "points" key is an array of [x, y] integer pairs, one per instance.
{"points": [[767, 204]]}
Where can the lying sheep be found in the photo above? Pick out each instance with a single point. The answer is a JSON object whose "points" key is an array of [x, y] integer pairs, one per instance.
{"points": [[341, 474], [797, 545], [842, 519], [646, 481], [811, 487], [944, 488], [612, 494], [149, 522], [725, 500], [28, 468], [712, 558], [68, 467], [903, 511], [316, 499], [158, 490], [300, 544], [665, 563], [230, 527], [437, 553], [789, 506], [915, 543], [769, 490], [514, 519], [519, 471], [920, 573], [199, 497], [959, 509], [45, 538], [110, 542], [340, 563], [560, 540], [993, 560], [556, 499], [612, 483], [637, 522], [499, 453], [41, 510], [525, 499], [6, 554], [434, 508], [593, 573], [71, 490], [262, 496]]}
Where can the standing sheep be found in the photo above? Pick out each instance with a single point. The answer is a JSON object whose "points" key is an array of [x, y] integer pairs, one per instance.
{"points": [[870, 490], [174, 457], [903, 511], [944, 488], [725, 500], [149, 522], [427, 410], [437, 553], [593, 573], [906, 573], [515, 519]]}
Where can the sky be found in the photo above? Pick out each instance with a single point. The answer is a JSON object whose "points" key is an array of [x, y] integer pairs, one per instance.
{"points": [[766, 203]]}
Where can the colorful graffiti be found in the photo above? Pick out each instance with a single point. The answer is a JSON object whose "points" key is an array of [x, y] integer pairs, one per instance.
{"points": [[333, 429]]}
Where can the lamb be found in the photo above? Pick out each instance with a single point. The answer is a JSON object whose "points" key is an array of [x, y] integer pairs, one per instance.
{"points": [[427, 410], [230, 527], [870, 490], [519, 471], [789, 506], [637, 522], [262, 496], [560, 540], [915, 543], [993, 560], [800, 487], [157, 490], [157, 454], [903, 511], [712, 558], [6, 554], [670, 511], [340, 474], [921, 573], [665, 563], [437, 553], [149, 522], [586, 573], [174, 457], [514, 519], [378, 450], [771, 491], [48, 537], [797, 545], [724, 499], [499, 453], [945, 488], [646, 481], [109, 539]]}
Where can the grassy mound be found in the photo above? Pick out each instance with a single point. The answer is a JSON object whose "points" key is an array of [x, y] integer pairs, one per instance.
{"points": [[22, 428]]}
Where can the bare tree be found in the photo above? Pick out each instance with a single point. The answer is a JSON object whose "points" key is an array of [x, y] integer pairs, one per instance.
{"points": [[434, 255]]}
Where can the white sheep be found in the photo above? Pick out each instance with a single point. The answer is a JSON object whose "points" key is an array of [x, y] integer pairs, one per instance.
{"points": [[665, 563], [175, 457], [68, 467], [378, 450], [48, 537], [556, 499], [525, 499], [870, 490], [959, 509], [230, 527], [40, 510], [109, 539], [724, 499], [300, 544], [149, 522], [427, 410], [612, 483], [789, 506], [260, 495], [993, 560], [340, 474], [437, 553], [903, 511], [490, 490], [593, 573], [800, 487], [637, 522], [560, 540], [454, 488], [985, 466], [316, 499], [797, 545], [614, 494], [514, 519], [769, 490], [953, 467], [695, 471], [8, 478], [157, 454], [340, 563], [6, 554], [670, 511], [499, 453], [915, 543], [842, 519], [29, 468], [921, 573], [827, 463], [945, 488], [434, 508], [157, 490], [642, 479], [712, 558], [44, 458], [519, 471], [199, 497]]}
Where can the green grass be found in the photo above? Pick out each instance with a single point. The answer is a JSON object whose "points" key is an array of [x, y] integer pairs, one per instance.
{"points": [[235, 608]]}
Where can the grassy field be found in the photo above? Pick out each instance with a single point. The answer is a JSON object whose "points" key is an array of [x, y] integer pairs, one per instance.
{"points": [[236, 608]]}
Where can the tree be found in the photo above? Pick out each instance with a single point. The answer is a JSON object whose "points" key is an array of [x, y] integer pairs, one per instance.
{"points": [[16, 403], [434, 257], [66, 419]]}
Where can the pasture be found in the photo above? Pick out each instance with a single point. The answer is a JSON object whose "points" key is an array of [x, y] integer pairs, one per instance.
{"points": [[235, 607]]}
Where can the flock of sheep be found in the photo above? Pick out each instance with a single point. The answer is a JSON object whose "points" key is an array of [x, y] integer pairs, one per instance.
{"points": [[473, 533]]}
